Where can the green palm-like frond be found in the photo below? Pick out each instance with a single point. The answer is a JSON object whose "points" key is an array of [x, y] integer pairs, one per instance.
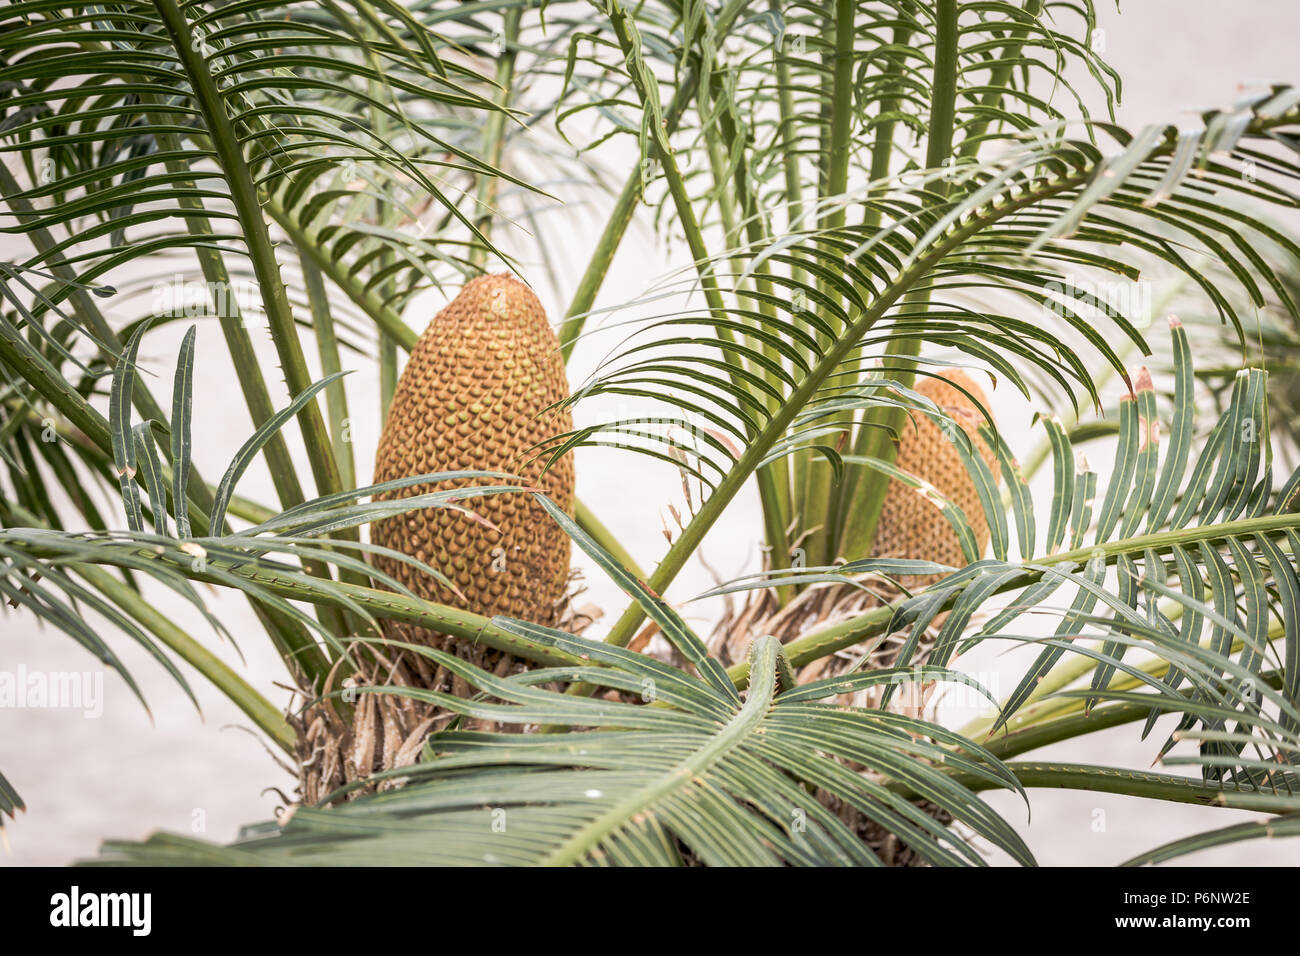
{"points": [[1181, 563], [177, 111], [685, 775], [1283, 826], [10, 801], [56, 574], [798, 359], [143, 128]]}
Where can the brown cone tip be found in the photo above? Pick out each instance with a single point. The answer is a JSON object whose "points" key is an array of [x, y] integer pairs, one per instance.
{"points": [[475, 395], [910, 525]]}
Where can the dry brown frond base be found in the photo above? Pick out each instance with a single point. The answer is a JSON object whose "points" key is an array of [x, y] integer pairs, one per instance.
{"points": [[387, 731]]}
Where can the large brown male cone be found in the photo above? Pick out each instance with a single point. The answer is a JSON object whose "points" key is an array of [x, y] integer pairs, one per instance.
{"points": [[476, 394], [911, 526]]}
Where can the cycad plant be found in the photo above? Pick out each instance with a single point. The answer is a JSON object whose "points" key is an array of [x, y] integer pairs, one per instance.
{"points": [[878, 198]]}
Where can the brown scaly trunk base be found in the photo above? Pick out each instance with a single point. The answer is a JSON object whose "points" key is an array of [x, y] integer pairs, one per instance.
{"points": [[385, 731], [382, 732]]}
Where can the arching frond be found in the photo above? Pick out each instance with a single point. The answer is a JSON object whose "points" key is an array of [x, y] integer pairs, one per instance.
{"points": [[636, 785], [797, 359]]}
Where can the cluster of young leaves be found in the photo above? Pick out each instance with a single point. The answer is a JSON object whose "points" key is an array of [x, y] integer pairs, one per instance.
{"points": [[775, 99], [753, 90]]}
